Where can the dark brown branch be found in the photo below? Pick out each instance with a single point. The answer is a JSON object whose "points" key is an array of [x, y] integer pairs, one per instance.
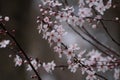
{"points": [[109, 33], [92, 37], [88, 40], [101, 76], [105, 28], [18, 45], [102, 19], [110, 20]]}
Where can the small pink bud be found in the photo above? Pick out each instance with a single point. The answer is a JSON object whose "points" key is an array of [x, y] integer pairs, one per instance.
{"points": [[6, 18]]}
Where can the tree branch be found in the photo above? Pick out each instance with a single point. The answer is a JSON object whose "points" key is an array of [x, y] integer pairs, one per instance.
{"points": [[18, 45], [88, 40], [106, 30], [93, 38]]}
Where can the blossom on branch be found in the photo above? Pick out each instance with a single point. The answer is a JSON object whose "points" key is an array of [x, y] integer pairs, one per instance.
{"points": [[49, 67], [91, 75], [4, 43], [35, 64], [18, 61]]}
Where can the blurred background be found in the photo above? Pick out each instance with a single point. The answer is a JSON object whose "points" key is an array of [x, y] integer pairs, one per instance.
{"points": [[23, 15]]}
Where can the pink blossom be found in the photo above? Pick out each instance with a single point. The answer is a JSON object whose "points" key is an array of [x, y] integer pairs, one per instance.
{"points": [[72, 20], [94, 55], [80, 21], [109, 4], [6, 18], [4, 43], [62, 16], [46, 19], [102, 67], [49, 67], [73, 67], [83, 69], [74, 47], [18, 61], [85, 12], [35, 64], [59, 29], [91, 75], [100, 7], [80, 55], [70, 51]]}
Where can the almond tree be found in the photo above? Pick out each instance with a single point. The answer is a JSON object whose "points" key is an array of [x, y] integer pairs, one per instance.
{"points": [[53, 22]]}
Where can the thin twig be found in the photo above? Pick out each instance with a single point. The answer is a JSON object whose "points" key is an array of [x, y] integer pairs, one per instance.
{"points": [[105, 28], [88, 40], [109, 33], [92, 37], [102, 19]]}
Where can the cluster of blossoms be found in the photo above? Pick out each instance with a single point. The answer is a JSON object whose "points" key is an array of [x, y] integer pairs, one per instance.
{"points": [[4, 43], [49, 67], [69, 15], [53, 15], [99, 5], [19, 59]]}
